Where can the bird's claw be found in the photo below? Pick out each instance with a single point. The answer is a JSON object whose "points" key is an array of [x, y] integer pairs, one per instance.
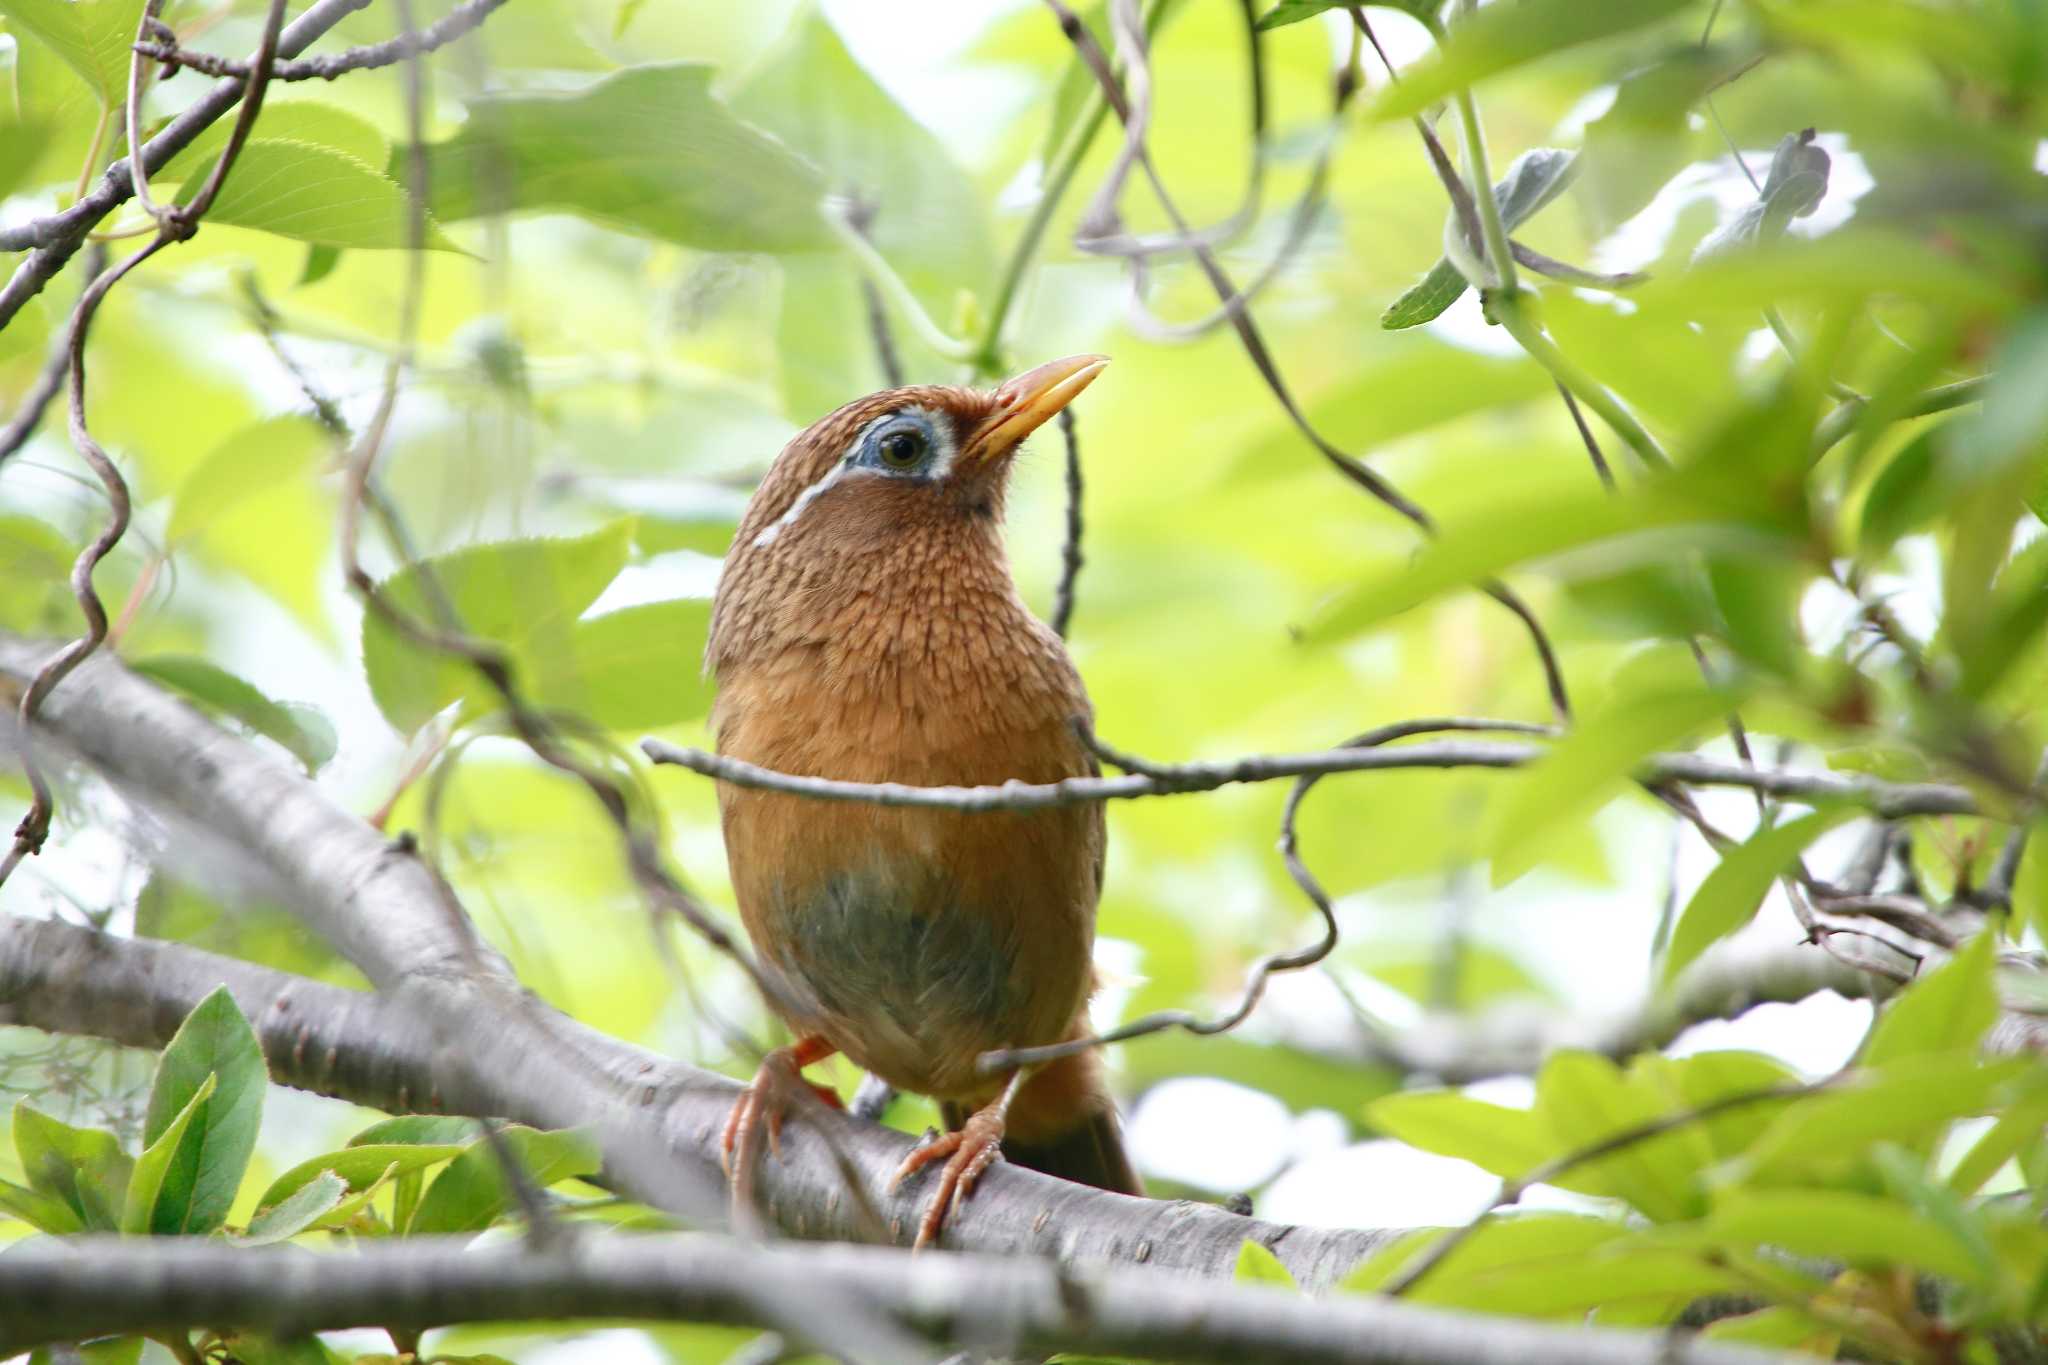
{"points": [[967, 1154], [759, 1112]]}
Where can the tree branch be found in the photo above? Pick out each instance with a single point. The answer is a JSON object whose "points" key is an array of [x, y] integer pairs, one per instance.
{"points": [[1891, 800], [63, 1288], [57, 235], [482, 1045], [443, 31]]}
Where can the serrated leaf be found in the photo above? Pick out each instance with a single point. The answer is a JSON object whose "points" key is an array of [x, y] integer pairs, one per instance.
{"points": [[141, 1212], [641, 667], [1947, 1010], [92, 36], [289, 120], [647, 149], [299, 728], [360, 1167], [82, 1168], [291, 1216], [314, 193], [470, 1195], [1732, 892], [206, 1168], [1258, 1265], [1501, 37], [526, 595], [1588, 766], [1535, 178]]}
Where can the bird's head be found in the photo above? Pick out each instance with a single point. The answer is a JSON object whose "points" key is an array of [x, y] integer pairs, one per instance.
{"points": [[892, 487]]}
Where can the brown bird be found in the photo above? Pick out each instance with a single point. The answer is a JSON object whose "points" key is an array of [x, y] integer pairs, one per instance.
{"points": [[867, 628]]}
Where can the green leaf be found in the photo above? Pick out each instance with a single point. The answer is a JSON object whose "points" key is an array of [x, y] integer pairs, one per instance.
{"points": [[1585, 769], [144, 1208], [1585, 1099], [1729, 896], [641, 667], [275, 451], [1947, 1010], [314, 193], [1909, 1101], [1508, 1142], [1907, 492], [2001, 1142], [1783, 1327], [1501, 37], [291, 1216], [82, 1168], [646, 149], [92, 36], [1257, 1265], [1537, 176], [523, 594], [1758, 596], [358, 1168], [299, 728], [1512, 532], [1867, 1232], [471, 1194], [324, 125], [1294, 11], [432, 1130], [43, 1212], [1634, 149], [35, 562], [206, 1168]]}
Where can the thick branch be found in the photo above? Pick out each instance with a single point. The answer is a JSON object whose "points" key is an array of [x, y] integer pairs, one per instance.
{"points": [[66, 1287], [484, 1046], [1889, 799], [453, 25]]}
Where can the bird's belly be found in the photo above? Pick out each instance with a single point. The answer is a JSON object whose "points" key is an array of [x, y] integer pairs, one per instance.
{"points": [[913, 985]]}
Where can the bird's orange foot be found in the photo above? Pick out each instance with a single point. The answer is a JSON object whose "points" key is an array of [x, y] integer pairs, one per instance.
{"points": [[760, 1110], [967, 1153]]}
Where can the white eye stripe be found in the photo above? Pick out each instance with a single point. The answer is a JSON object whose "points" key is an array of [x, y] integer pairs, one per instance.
{"points": [[941, 464]]}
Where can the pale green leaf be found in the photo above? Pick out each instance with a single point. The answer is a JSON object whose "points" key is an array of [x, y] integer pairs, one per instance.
{"points": [[1946, 1010], [647, 148], [1258, 1265], [275, 451], [1732, 892], [470, 1195], [314, 193], [299, 728], [291, 1216], [92, 36]]}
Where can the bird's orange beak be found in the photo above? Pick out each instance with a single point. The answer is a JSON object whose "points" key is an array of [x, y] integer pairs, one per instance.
{"points": [[1027, 402]]}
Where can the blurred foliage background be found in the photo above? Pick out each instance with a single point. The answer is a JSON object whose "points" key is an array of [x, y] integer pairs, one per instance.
{"points": [[633, 297]]}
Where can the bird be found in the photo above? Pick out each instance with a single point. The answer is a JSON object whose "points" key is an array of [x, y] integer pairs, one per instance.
{"points": [[866, 627]]}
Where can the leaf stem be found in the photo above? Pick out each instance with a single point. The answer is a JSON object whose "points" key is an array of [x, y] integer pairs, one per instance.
{"points": [[877, 268], [1500, 258], [1510, 311], [1840, 422]]}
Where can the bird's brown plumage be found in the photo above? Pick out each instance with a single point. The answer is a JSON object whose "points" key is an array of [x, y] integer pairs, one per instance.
{"points": [[867, 629]]}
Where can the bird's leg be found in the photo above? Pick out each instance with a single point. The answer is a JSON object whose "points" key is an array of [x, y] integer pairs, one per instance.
{"points": [[967, 1153], [761, 1108]]}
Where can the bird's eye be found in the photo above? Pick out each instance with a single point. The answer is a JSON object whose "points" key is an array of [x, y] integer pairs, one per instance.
{"points": [[901, 448]]}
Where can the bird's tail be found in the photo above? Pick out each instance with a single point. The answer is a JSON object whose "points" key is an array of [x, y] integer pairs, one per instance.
{"points": [[1092, 1154]]}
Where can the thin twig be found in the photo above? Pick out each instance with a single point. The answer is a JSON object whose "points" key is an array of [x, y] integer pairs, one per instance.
{"points": [[440, 33], [1130, 40], [50, 378], [1892, 800], [1070, 548], [990, 1063]]}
